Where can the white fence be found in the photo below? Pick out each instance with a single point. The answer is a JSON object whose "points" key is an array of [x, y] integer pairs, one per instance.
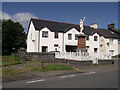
{"points": [[82, 56]]}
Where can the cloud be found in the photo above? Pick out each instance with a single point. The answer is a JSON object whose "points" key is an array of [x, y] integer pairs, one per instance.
{"points": [[23, 18], [4, 15]]}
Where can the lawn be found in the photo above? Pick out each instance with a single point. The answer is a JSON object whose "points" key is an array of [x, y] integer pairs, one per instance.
{"points": [[11, 67]]}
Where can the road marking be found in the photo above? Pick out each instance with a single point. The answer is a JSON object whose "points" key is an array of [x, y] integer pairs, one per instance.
{"points": [[85, 73], [63, 76], [91, 72], [67, 76], [71, 75], [0, 86], [36, 81]]}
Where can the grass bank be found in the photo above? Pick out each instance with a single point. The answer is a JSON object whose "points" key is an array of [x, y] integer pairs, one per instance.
{"points": [[11, 67]]}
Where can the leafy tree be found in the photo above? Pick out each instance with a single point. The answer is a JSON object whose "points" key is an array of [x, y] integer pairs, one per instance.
{"points": [[13, 37]]}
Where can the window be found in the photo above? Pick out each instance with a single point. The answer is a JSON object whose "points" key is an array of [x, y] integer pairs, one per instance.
{"points": [[95, 38], [118, 41], [44, 48], [76, 38], [87, 46], [56, 35], [45, 34], [111, 41], [95, 50], [55, 45], [87, 38], [69, 36], [111, 52]]}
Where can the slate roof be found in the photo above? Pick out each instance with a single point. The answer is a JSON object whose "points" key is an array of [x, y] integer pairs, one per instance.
{"points": [[108, 33], [64, 27]]}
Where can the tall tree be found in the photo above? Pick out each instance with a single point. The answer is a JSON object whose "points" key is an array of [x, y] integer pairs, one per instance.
{"points": [[13, 37]]}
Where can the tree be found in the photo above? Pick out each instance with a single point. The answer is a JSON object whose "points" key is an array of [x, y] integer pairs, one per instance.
{"points": [[13, 37]]}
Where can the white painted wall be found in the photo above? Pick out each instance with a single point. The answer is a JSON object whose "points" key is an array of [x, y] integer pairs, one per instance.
{"points": [[31, 36], [62, 40], [105, 48], [72, 31], [119, 46], [50, 41], [93, 44]]}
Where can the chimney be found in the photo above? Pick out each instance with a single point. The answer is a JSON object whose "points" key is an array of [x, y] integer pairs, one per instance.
{"points": [[94, 25], [111, 26]]}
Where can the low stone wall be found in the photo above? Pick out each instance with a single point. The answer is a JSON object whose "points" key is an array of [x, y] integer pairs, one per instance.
{"points": [[42, 56], [83, 63], [50, 57], [33, 56], [105, 61], [73, 62]]}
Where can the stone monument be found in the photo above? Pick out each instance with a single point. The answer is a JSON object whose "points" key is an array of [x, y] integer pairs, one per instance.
{"points": [[81, 38]]}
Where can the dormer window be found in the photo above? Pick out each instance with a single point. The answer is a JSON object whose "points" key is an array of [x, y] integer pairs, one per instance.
{"points": [[95, 38], [69, 36], [111, 41], [45, 34], [76, 38], [118, 41], [56, 35]]}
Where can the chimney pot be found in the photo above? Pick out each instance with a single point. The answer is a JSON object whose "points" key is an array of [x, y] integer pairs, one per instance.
{"points": [[111, 26], [94, 25]]}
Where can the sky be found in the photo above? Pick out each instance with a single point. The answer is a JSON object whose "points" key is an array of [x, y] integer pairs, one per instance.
{"points": [[102, 13]]}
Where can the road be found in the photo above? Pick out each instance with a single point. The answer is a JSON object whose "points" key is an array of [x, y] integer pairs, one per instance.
{"points": [[102, 79]]}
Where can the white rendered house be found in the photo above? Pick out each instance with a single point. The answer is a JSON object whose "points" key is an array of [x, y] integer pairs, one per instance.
{"points": [[46, 36]]}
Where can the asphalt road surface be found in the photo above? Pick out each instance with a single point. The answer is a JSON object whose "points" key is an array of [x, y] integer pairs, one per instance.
{"points": [[103, 79]]}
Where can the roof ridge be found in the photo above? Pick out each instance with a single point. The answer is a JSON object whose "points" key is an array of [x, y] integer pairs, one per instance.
{"points": [[57, 21]]}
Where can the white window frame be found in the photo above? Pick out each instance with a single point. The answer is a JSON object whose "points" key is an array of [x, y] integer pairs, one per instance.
{"points": [[44, 35], [69, 38], [111, 41], [113, 53]]}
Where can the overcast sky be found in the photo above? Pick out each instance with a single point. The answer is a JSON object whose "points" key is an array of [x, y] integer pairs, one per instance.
{"points": [[102, 13]]}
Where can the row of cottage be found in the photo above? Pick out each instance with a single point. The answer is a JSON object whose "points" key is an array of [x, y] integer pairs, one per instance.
{"points": [[47, 36]]}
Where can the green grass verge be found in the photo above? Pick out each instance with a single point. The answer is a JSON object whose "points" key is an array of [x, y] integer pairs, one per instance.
{"points": [[18, 62], [10, 58], [53, 67], [31, 66], [11, 67]]}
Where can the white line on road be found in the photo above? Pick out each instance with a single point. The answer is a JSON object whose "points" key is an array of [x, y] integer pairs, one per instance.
{"points": [[67, 76], [85, 73], [36, 81], [63, 76], [71, 75], [91, 72]]}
